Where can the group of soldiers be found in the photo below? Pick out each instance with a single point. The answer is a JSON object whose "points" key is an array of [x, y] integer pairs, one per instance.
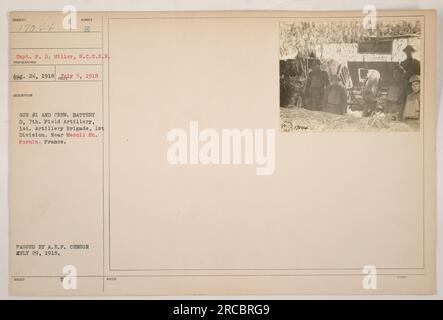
{"points": [[322, 94], [402, 101], [403, 94]]}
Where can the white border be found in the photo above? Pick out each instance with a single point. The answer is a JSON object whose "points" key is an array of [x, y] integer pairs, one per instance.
{"points": [[171, 5]]}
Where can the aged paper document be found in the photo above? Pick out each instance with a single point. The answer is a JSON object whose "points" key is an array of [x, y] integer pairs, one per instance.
{"points": [[179, 153]]}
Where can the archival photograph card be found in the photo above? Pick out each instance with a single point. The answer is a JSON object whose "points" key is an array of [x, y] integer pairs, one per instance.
{"points": [[222, 153]]}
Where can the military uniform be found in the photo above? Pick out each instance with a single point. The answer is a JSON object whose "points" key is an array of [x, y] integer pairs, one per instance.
{"points": [[411, 66], [317, 81], [335, 99], [395, 98], [412, 105]]}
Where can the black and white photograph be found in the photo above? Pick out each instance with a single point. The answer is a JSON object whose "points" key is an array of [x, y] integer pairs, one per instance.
{"points": [[221, 159], [350, 75]]}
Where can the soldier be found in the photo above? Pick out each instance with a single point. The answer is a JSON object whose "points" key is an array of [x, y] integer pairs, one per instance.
{"points": [[370, 92], [285, 88], [395, 99], [410, 64], [335, 97], [412, 106], [317, 81]]}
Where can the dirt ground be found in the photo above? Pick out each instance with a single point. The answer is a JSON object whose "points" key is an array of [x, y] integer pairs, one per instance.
{"points": [[300, 119]]}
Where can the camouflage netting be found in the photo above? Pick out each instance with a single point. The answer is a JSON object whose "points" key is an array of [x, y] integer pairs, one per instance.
{"points": [[300, 119], [305, 37]]}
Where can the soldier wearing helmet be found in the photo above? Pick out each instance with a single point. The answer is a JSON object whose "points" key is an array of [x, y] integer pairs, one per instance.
{"points": [[410, 64], [412, 105]]}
